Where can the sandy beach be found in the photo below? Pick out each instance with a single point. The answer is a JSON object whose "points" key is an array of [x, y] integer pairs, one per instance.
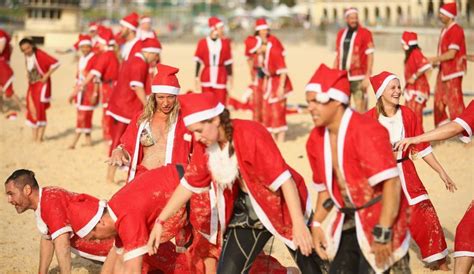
{"points": [[83, 169]]}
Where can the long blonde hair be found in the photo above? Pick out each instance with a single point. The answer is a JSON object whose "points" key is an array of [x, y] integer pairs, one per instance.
{"points": [[150, 109], [380, 109]]}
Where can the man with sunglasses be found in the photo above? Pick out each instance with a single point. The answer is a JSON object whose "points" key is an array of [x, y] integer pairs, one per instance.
{"points": [[354, 170]]}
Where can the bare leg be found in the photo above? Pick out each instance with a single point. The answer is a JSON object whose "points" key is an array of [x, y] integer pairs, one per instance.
{"points": [[210, 265], [280, 137], [88, 141], [18, 102], [441, 265], [1, 102], [35, 134], [462, 265], [111, 174], [74, 141], [40, 136]]}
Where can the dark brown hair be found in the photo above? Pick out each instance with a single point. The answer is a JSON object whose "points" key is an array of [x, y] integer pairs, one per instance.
{"points": [[226, 123], [23, 177]]}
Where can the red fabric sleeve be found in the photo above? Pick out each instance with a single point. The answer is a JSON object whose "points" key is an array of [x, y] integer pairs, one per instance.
{"points": [[199, 53], [421, 61], [140, 73], [227, 53], [374, 152], [455, 38], [197, 177], [466, 120], [54, 215], [278, 62], [317, 167], [45, 60], [100, 65], [133, 232], [269, 167]]}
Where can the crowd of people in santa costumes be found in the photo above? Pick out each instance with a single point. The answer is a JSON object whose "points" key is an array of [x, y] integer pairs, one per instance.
{"points": [[401, 122], [39, 66], [129, 95], [213, 58], [218, 187], [451, 59], [50, 205], [355, 54]]}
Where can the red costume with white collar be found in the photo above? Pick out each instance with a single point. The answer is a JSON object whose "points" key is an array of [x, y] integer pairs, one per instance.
{"points": [[214, 56], [364, 164], [448, 91], [52, 220], [6, 79], [131, 47], [356, 62], [39, 94]]}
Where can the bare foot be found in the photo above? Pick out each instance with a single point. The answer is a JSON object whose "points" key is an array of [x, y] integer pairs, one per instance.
{"points": [[71, 147]]}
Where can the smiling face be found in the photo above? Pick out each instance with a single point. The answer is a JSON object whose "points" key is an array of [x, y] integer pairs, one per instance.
{"points": [[352, 20], [85, 49], [165, 103], [206, 132], [392, 93], [321, 113], [27, 49], [17, 197]]}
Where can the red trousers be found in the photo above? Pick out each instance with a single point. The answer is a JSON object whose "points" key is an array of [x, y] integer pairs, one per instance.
{"points": [[105, 91], [448, 94], [35, 109], [464, 239], [427, 231], [221, 94], [117, 129], [84, 121]]}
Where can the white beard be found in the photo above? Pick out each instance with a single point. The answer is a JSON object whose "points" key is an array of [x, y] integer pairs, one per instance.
{"points": [[224, 169]]}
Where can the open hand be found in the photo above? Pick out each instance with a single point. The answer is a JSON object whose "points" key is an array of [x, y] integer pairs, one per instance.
{"points": [[319, 242], [154, 240]]}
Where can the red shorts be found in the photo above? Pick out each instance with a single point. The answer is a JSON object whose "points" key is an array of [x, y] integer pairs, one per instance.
{"points": [[117, 129], [84, 121]]}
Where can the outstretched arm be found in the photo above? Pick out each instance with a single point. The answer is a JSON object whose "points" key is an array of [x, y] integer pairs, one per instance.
{"points": [[443, 132]]}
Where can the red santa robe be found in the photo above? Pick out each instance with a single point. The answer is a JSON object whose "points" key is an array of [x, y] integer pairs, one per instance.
{"points": [[418, 93], [130, 48], [464, 239], [214, 56], [134, 209], [424, 222], [52, 221], [262, 174], [448, 91], [178, 145], [38, 95], [356, 62], [124, 102], [365, 160], [274, 107], [7, 51], [6, 79], [87, 99], [106, 68]]}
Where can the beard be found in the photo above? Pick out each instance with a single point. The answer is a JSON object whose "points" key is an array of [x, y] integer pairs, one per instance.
{"points": [[224, 169]]}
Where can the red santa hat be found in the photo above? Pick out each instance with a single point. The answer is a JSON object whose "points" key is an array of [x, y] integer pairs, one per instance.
{"points": [[84, 212], [329, 84], [380, 81], [84, 40], [215, 23], [350, 11], [105, 35], [252, 43], [261, 24], [145, 19], [165, 81], [130, 21], [409, 39], [449, 9], [93, 26], [151, 45], [198, 107]]}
